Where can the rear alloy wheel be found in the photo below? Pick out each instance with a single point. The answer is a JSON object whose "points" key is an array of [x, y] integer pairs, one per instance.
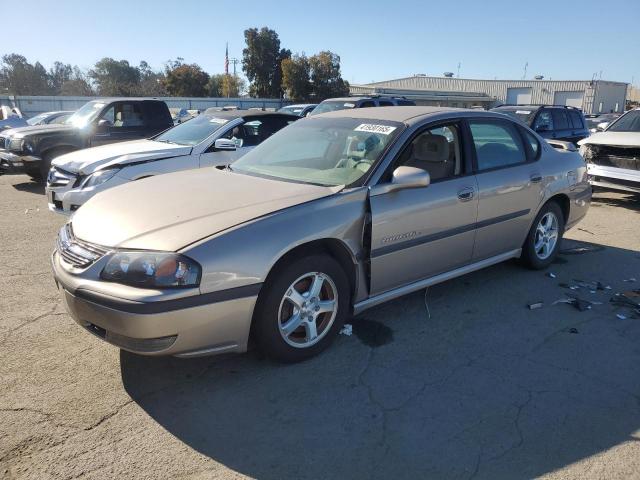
{"points": [[301, 309], [543, 241]]}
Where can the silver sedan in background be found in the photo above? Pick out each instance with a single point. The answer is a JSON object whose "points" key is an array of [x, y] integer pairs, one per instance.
{"points": [[332, 215]]}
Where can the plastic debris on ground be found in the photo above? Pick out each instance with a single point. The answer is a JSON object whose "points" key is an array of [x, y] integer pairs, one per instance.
{"points": [[347, 329], [630, 280], [573, 330], [534, 306], [578, 303], [621, 316], [551, 275]]}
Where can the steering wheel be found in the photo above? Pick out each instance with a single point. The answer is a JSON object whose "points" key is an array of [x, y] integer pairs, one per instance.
{"points": [[366, 162]]}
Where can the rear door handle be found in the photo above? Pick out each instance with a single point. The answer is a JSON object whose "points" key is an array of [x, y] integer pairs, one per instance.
{"points": [[466, 194], [535, 178]]}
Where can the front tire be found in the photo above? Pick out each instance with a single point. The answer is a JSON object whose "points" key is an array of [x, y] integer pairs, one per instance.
{"points": [[301, 309], [543, 241]]}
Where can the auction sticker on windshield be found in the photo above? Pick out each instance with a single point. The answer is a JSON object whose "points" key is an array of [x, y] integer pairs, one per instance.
{"points": [[221, 121], [523, 112], [369, 127]]}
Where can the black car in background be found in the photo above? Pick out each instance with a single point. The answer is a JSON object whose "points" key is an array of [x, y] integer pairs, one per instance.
{"points": [[98, 122], [554, 122]]}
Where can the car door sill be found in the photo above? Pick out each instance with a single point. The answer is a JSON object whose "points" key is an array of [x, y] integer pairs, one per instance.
{"points": [[443, 277]]}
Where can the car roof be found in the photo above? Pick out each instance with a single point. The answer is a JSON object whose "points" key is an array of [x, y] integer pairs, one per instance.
{"points": [[300, 105], [233, 114], [394, 114]]}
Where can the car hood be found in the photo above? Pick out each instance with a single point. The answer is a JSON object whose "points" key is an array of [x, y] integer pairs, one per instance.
{"points": [[89, 160], [169, 212], [621, 139], [42, 129]]}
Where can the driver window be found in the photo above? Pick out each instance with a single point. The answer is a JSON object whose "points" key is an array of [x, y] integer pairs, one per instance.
{"points": [[436, 150], [109, 115]]}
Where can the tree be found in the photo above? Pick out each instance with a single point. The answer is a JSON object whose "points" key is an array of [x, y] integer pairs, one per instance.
{"points": [[151, 82], [232, 86], [115, 77], [186, 81], [76, 84], [261, 61], [326, 79], [214, 85], [19, 77], [58, 75], [296, 80]]}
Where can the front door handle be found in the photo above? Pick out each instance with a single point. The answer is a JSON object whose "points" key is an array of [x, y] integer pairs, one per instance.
{"points": [[535, 178], [466, 194]]}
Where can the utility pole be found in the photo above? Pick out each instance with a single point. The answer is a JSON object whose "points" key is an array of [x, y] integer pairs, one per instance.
{"points": [[234, 61], [458, 69], [526, 65]]}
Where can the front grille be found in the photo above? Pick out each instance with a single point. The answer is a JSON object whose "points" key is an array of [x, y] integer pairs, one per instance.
{"points": [[76, 252], [60, 178]]}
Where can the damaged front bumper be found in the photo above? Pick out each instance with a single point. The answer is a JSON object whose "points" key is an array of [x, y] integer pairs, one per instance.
{"points": [[613, 178]]}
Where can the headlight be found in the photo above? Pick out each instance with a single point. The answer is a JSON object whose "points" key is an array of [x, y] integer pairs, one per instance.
{"points": [[152, 270], [27, 146], [16, 144], [99, 177]]}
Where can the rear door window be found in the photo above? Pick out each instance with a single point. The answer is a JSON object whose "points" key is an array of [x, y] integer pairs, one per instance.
{"points": [[544, 121], [385, 103], [497, 143], [560, 120], [367, 104]]}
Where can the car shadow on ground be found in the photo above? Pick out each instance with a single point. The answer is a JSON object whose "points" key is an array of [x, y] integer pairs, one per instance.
{"points": [[30, 187], [476, 386], [630, 201]]}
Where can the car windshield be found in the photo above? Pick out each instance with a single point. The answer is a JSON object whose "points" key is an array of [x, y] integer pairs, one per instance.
{"points": [[321, 151], [523, 114], [332, 106], [194, 131], [37, 119], [85, 114], [629, 122]]}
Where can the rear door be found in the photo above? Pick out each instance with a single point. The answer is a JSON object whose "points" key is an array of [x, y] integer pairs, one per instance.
{"points": [[578, 128], [509, 184], [421, 232]]}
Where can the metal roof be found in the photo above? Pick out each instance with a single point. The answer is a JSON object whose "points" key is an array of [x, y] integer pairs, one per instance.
{"points": [[394, 114]]}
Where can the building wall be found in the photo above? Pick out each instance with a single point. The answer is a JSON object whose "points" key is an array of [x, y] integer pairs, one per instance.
{"points": [[541, 91], [609, 98], [33, 105]]}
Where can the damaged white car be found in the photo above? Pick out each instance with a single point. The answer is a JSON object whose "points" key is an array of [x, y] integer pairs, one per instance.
{"points": [[205, 141], [613, 156]]}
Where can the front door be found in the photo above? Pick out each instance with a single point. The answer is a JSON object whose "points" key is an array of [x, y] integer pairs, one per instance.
{"points": [[119, 122], [509, 183], [421, 232]]}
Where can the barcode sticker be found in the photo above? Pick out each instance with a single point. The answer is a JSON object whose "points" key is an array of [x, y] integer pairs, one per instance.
{"points": [[369, 127]]}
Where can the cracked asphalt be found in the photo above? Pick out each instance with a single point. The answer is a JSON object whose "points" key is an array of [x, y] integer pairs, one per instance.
{"points": [[485, 388]]}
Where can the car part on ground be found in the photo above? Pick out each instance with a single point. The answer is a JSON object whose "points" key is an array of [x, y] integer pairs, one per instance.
{"points": [[332, 215]]}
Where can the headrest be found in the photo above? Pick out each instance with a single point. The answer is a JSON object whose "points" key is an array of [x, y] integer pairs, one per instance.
{"points": [[431, 148]]}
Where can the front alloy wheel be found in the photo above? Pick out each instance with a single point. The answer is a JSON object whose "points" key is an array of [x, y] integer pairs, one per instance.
{"points": [[543, 241], [302, 306], [308, 309]]}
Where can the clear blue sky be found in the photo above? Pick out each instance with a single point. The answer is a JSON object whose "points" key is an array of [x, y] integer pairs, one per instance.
{"points": [[561, 39]]}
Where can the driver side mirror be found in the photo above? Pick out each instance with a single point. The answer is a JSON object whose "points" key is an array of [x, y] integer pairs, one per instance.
{"points": [[542, 128], [103, 123], [403, 178], [224, 144], [601, 127]]}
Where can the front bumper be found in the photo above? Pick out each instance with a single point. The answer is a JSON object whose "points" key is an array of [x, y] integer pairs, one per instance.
{"points": [[150, 329], [614, 178], [13, 163]]}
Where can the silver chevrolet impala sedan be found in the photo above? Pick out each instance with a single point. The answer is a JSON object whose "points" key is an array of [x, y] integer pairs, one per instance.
{"points": [[332, 215]]}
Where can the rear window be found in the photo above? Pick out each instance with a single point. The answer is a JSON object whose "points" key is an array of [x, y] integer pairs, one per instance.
{"points": [[576, 119]]}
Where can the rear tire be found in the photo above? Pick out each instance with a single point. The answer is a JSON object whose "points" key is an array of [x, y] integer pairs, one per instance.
{"points": [[301, 309], [545, 236]]}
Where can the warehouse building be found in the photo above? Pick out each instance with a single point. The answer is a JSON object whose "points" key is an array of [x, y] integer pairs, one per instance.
{"points": [[592, 96]]}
